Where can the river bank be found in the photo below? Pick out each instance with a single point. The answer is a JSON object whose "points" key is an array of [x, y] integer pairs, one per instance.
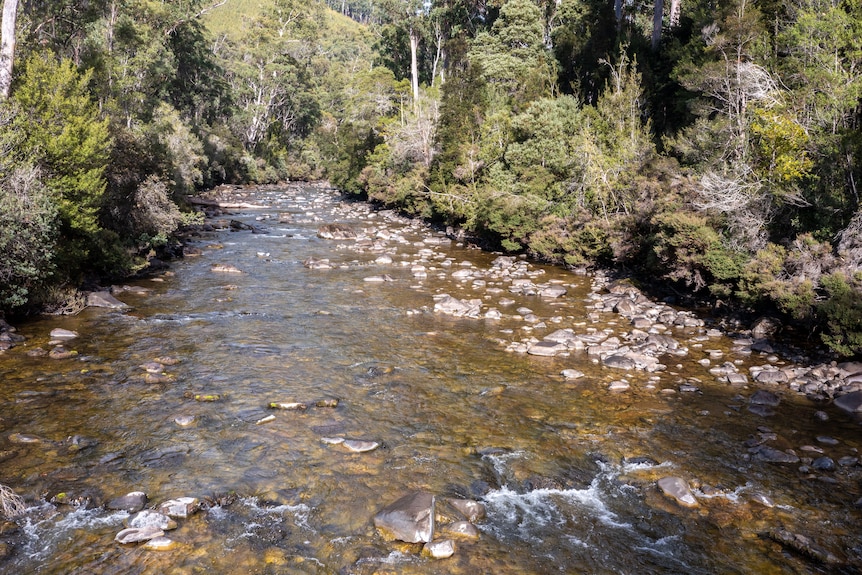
{"points": [[307, 366]]}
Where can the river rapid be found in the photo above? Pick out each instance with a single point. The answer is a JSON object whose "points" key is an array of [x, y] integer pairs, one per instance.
{"points": [[566, 467]]}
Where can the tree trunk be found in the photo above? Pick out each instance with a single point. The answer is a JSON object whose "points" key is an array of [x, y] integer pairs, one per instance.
{"points": [[658, 12], [7, 46], [414, 65], [674, 13]]}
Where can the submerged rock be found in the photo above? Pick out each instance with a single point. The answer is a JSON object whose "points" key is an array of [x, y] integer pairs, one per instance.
{"points": [[138, 534], [104, 299], [409, 519], [852, 402], [359, 446]]}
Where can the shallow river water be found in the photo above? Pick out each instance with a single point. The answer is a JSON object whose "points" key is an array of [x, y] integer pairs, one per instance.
{"points": [[566, 469]]}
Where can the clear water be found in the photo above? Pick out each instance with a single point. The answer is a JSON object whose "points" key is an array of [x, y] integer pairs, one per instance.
{"points": [[454, 413]]}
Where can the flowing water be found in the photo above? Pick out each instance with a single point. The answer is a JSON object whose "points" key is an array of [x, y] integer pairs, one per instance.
{"points": [[567, 470]]}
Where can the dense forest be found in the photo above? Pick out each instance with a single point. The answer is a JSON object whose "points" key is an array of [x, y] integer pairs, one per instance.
{"points": [[713, 146]]}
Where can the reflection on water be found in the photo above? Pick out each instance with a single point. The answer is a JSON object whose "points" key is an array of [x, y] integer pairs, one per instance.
{"points": [[566, 469]]}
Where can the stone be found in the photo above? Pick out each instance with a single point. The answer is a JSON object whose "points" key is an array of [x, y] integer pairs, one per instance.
{"points": [[60, 352], [359, 446], [147, 518], [131, 502], [763, 397], [225, 269], [619, 361], [439, 549], [765, 327], [771, 376], [803, 545], [619, 385], [553, 292], [472, 511], [772, 455], [546, 348], [762, 499], [459, 308], [852, 402], [160, 544], [572, 374], [179, 508], [677, 489], [184, 420], [460, 530], [409, 519], [288, 405], [138, 534], [104, 299], [823, 464], [336, 232], [60, 333]]}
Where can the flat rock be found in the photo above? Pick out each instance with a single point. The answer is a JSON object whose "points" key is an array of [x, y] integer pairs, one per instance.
{"points": [[763, 397], [104, 299], [677, 489], [619, 361], [409, 519], [359, 446], [147, 518], [546, 348], [772, 455], [60, 333], [138, 534], [160, 544], [572, 374]]}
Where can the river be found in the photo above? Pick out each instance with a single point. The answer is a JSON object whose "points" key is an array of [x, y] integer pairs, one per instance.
{"points": [[566, 468]]}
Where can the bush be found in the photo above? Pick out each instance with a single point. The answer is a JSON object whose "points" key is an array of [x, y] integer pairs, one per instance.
{"points": [[28, 235], [842, 313]]}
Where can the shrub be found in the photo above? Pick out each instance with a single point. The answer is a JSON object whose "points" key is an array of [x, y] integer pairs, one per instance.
{"points": [[28, 235], [842, 313]]}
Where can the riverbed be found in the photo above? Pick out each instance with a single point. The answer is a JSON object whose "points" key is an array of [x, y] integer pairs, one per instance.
{"points": [[236, 377]]}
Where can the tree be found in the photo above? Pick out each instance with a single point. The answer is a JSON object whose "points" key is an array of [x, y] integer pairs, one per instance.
{"points": [[62, 130], [512, 56], [7, 46]]}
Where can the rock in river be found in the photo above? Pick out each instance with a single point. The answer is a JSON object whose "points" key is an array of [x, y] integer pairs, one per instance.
{"points": [[409, 519], [439, 549], [131, 502], [138, 534], [851, 402], [104, 299], [677, 489]]}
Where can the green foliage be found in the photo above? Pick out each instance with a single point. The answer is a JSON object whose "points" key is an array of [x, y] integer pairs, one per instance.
{"points": [[842, 313], [70, 143], [512, 55], [28, 221]]}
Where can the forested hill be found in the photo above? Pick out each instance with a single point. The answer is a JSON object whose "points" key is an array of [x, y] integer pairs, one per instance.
{"points": [[715, 147]]}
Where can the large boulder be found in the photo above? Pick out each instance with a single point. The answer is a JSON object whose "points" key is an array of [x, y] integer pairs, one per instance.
{"points": [[409, 519]]}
